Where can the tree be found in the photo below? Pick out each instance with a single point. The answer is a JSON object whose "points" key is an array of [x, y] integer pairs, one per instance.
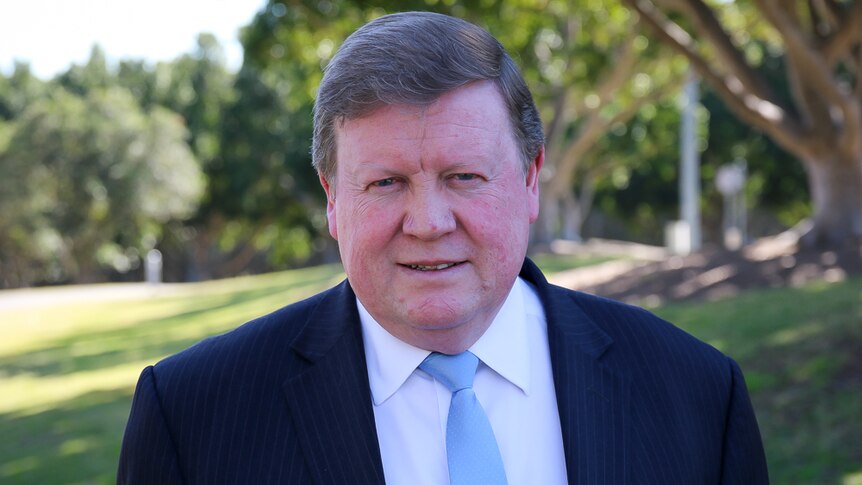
{"points": [[81, 79], [88, 182], [820, 122], [198, 86], [18, 91]]}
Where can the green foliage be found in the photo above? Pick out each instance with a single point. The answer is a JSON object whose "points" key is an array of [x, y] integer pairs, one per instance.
{"points": [[641, 171], [198, 86], [245, 133], [85, 178], [19, 90], [94, 74]]}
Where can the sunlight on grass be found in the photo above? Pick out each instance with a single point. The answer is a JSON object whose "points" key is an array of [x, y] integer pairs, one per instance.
{"points": [[31, 394], [795, 334], [17, 467], [853, 479], [68, 369]]}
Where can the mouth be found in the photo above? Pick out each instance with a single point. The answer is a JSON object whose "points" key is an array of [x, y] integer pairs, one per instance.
{"points": [[432, 267]]}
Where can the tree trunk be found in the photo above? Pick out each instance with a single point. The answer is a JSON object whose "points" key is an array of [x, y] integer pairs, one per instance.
{"points": [[203, 243], [560, 217], [836, 194], [572, 218], [546, 226]]}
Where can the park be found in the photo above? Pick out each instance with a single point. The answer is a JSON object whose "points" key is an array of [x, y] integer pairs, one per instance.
{"points": [[703, 161]]}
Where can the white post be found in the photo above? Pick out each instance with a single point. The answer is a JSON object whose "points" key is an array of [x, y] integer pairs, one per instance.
{"points": [[153, 267], [742, 205], [689, 170], [730, 181]]}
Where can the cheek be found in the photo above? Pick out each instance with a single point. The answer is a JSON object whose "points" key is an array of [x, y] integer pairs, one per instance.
{"points": [[364, 229], [498, 228], [504, 226]]}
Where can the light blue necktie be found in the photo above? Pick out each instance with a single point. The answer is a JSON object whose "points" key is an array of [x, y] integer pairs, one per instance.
{"points": [[470, 444]]}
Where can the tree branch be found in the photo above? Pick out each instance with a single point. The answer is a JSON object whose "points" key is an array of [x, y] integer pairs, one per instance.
{"points": [[612, 79], [818, 19], [816, 116], [707, 25], [829, 11], [847, 35], [817, 76], [771, 118], [815, 72], [555, 128], [558, 122], [624, 66], [857, 91]]}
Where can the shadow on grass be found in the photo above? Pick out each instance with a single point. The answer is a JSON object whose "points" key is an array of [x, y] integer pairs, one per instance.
{"points": [[150, 339], [714, 274], [76, 442]]}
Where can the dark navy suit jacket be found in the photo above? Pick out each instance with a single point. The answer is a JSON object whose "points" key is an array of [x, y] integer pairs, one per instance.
{"points": [[285, 399]]}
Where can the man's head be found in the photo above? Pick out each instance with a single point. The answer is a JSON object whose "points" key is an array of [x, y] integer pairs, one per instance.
{"points": [[430, 193], [413, 58]]}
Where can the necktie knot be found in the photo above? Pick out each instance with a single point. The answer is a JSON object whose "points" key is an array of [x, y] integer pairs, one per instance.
{"points": [[456, 372]]}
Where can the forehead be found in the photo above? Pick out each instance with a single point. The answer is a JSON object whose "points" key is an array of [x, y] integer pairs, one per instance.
{"points": [[472, 117]]}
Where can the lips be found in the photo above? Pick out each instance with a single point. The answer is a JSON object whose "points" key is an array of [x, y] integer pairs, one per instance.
{"points": [[431, 267]]}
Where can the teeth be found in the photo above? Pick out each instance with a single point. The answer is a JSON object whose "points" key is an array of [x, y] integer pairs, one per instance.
{"points": [[422, 267]]}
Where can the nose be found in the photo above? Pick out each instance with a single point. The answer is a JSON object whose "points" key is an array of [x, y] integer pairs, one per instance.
{"points": [[428, 214]]}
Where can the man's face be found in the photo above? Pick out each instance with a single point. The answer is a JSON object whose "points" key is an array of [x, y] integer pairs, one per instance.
{"points": [[431, 208]]}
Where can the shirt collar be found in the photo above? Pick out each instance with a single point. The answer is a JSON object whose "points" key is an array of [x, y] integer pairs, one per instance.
{"points": [[503, 347]]}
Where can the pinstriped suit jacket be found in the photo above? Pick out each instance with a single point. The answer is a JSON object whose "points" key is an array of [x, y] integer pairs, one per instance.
{"points": [[285, 399]]}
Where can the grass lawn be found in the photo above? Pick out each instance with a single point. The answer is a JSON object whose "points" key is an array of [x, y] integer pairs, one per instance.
{"points": [[67, 370], [801, 351]]}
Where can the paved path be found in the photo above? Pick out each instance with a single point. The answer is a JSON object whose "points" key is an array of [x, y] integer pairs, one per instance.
{"points": [[579, 278], [30, 297]]}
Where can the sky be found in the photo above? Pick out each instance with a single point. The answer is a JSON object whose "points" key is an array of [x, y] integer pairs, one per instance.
{"points": [[52, 34]]}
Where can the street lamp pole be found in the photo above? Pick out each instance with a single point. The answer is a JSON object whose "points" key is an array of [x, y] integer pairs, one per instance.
{"points": [[689, 174]]}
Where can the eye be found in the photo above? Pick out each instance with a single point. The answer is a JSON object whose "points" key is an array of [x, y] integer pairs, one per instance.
{"points": [[464, 176], [384, 182]]}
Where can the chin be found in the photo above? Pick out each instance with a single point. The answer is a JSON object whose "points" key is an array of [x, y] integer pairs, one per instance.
{"points": [[434, 319]]}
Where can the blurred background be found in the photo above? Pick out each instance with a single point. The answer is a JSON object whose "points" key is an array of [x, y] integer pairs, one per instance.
{"points": [[703, 160]]}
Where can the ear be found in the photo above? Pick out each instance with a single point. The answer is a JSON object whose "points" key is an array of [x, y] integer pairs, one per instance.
{"points": [[330, 207], [533, 183]]}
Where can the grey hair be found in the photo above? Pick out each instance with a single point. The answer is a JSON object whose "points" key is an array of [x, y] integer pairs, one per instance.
{"points": [[414, 58]]}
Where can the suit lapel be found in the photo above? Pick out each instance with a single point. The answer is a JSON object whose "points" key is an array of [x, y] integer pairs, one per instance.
{"points": [[330, 399], [592, 399]]}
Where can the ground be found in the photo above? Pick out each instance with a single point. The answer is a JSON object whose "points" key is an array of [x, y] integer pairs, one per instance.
{"points": [[651, 278]]}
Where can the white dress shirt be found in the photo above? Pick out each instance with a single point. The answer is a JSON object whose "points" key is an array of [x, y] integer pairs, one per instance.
{"points": [[514, 384]]}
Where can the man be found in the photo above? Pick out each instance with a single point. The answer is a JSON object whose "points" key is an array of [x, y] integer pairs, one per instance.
{"points": [[429, 147]]}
